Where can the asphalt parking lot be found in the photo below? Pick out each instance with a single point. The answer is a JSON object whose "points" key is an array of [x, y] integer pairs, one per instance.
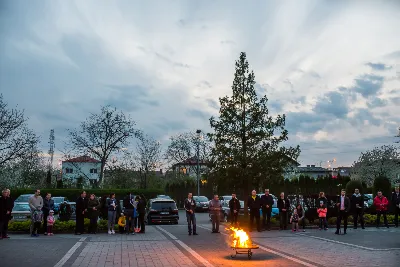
{"points": [[170, 245]]}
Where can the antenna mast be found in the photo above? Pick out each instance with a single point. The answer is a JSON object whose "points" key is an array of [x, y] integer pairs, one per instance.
{"points": [[51, 150]]}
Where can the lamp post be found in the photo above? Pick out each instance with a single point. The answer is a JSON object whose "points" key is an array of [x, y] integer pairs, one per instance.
{"points": [[198, 162]]}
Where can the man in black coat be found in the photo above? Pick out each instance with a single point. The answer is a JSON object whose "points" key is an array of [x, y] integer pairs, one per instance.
{"points": [[396, 205], [141, 209], [129, 208], [254, 204], [234, 207], [81, 208], [9, 207], [267, 203], [6, 206], [357, 206], [343, 205], [284, 207]]}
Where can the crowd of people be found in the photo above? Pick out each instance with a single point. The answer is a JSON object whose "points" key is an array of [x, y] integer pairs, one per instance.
{"points": [[295, 214], [132, 220]]}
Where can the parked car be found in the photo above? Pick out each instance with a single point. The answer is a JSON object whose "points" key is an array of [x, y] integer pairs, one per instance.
{"points": [[164, 196], [23, 198], [368, 200], [21, 211], [161, 210], [202, 203], [57, 203]]}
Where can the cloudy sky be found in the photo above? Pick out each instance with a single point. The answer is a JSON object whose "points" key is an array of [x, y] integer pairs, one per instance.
{"points": [[331, 66]]}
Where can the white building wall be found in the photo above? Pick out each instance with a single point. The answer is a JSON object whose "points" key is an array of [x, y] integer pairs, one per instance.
{"points": [[81, 169]]}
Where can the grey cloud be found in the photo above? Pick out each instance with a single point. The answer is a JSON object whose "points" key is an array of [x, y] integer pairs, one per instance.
{"points": [[275, 105], [130, 97], [228, 42], [176, 64], [305, 122], [377, 102], [378, 66], [368, 85], [395, 100], [299, 100], [205, 84], [394, 54], [199, 114], [287, 81], [212, 103], [332, 103], [362, 115]]}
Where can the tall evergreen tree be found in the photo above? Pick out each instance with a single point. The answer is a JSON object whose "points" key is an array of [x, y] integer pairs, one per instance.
{"points": [[248, 150]]}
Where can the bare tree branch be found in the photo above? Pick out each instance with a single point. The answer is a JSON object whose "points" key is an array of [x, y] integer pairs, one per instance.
{"points": [[16, 140], [103, 134]]}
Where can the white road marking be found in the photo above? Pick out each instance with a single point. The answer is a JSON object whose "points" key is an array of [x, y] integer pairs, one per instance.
{"points": [[274, 252], [348, 244], [70, 252], [186, 247]]}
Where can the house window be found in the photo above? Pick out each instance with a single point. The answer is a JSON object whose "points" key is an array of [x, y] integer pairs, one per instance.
{"points": [[93, 170], [69, 170]]}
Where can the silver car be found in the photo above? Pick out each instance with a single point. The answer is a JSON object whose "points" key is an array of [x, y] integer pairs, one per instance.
{"points": [[21, 211]]}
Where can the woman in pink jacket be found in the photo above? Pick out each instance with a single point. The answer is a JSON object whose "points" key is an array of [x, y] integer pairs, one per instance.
{"points": [[381, 204]]}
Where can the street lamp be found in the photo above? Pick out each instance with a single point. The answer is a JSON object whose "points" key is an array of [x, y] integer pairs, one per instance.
{"points": [[198, 163]]}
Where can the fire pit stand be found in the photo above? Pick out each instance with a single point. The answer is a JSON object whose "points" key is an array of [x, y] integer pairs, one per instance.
{"points": [[243, 250]]}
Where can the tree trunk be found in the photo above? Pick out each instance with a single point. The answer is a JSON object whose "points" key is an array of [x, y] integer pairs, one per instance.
{"points": [[100, 181]]}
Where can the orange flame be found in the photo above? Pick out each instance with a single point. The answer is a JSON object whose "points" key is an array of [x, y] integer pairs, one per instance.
{"points": [[240, 238]]}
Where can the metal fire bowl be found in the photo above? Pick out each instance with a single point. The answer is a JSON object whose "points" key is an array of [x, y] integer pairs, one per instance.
{"points": [[243, 250], [249, 247]]}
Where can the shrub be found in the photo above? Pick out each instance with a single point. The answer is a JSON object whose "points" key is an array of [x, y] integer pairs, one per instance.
{"points": [[383, 184], [352, 185], [73, 194], [59, 226]]}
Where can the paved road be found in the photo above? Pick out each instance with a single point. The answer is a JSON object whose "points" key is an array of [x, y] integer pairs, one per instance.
{"points": [[170, 245]]}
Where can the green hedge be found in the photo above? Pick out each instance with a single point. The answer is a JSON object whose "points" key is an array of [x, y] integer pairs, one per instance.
{"points": [[73, 194], [370, 219], [59, 226]]}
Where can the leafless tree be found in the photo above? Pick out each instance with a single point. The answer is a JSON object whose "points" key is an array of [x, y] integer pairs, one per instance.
{"points": [[184, 146], [16, 140], [148, 156], [103, 134]]}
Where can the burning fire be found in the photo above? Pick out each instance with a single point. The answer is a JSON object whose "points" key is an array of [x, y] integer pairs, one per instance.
{"points": [[240, 238]]}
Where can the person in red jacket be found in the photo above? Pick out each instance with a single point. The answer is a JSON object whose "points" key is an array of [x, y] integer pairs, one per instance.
{"points": [[381, 205]]}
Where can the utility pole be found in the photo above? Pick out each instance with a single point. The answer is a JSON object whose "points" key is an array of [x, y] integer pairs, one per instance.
{"points": [[198, 162]]}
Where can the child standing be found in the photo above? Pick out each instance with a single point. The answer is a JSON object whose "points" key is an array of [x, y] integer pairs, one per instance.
{"points": [[294, 220], [322, 210], [37, 218], [122, 223], [50, 223]]}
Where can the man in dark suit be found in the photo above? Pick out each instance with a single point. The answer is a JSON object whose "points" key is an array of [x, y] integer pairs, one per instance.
{"points": [[81, 208], [396, 205], [343, 205], [284, 208], [254, 204], [234, 207], [267, 203], [357, 207]]}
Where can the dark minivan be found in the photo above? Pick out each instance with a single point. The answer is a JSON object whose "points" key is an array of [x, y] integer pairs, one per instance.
{"points": [[162, 211]]}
